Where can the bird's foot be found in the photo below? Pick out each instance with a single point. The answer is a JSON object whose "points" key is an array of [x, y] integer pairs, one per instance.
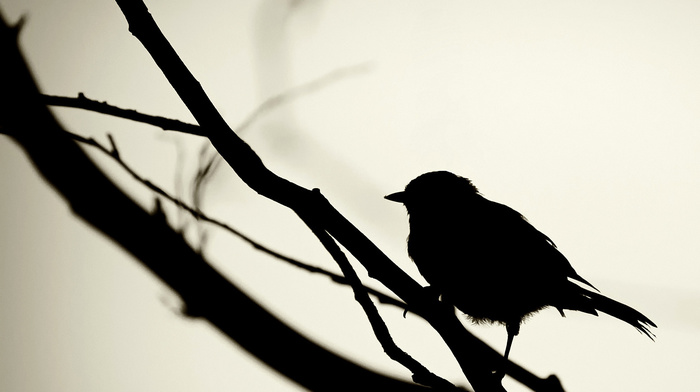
{"points": [[431, 295]]}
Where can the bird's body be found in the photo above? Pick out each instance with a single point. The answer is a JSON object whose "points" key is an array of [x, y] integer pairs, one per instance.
{"points": [[488, 261]]}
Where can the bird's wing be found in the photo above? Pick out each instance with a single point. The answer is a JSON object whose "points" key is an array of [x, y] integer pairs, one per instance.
{"points": [[543, 252]]}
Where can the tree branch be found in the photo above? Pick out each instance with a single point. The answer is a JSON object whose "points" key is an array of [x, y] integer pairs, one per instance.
{"points": [[82, 102], [199, 215], [163, 251], [167, 124], [381, 332], [476, 359], [306, 88]]}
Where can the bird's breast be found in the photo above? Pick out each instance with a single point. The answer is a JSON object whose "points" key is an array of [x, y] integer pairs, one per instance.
{"points": [[474, 269]]}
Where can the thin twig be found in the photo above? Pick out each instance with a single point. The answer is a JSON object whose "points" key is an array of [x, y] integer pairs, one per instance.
{"points": [[159, 248], [474, 357], [167, 124], [82, 102], [269, 104], [197, 214], [303, 89], [420, 373]]}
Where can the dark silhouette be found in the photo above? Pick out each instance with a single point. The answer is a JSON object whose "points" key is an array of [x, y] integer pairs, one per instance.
{"points": [[488, 261], [163, 250]]}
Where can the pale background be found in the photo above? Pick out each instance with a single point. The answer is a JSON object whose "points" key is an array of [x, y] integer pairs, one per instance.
{"points": [[584, 116]]}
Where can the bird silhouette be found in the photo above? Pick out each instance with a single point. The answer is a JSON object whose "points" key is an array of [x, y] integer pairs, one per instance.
{"points": [[489, 262]]}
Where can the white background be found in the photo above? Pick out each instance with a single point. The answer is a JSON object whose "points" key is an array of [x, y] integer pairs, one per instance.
{"points": [[584, 116]]}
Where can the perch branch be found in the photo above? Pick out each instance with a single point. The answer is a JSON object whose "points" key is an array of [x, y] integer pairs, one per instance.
{"points": [[476, 359], [158, 247], [197, 214], [420, 374]]}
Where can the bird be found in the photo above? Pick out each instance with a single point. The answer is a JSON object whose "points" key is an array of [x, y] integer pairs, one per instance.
{"points": [[488, 261]]}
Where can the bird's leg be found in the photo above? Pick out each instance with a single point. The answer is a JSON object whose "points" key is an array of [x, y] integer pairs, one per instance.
{"points": [[512, 329], [509, 343], [431, 294]]}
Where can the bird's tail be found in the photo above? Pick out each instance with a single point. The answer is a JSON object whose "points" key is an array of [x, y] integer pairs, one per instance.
{"points": [[622, 312]]}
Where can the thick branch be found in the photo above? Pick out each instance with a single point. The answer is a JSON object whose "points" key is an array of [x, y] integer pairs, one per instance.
{"points": [[197, 214], [475, 358], [149, 239], [420, 373], [235, 151]]}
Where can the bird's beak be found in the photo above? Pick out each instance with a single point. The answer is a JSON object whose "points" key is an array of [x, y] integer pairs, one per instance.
{"points": [[398, 197]]}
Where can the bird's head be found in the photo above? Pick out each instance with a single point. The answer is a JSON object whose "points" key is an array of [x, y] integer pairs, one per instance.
{"points": [[434, 188]]}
